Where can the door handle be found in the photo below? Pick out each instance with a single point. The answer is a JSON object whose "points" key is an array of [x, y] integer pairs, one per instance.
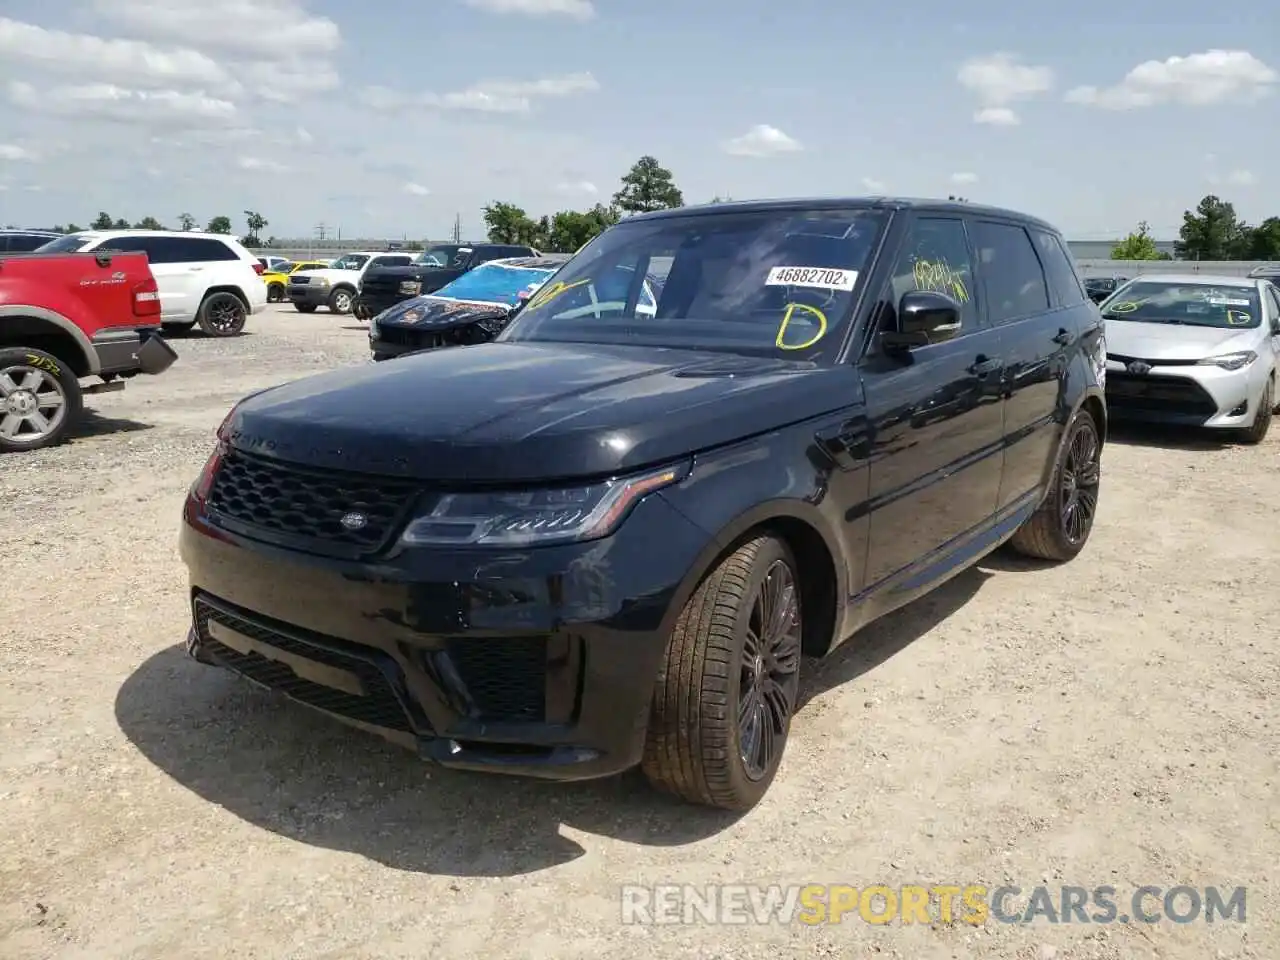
{"points": [[1062, 337], [984, 366]]}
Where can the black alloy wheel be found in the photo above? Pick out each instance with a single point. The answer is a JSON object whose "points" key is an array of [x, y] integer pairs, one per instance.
{"points": [[1060, 527], [770, 671], [222, 315]]}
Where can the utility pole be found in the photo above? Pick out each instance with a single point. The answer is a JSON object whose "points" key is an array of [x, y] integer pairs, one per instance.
{"points": [[457, 228]]}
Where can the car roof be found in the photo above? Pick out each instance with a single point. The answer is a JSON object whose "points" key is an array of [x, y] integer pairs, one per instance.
{"points": [[1208, 279], [31, 233], [845, 203], [193, 234], [544, 262]]}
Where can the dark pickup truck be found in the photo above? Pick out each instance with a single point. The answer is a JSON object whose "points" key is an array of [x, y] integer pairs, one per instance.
{"points": [[384, 287]]}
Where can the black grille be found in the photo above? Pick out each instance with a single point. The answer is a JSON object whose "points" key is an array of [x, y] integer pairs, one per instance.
{"points": [[1158, 394], [379, 706], [404, 337], [279, 502], [505, 678], [1151, 363], [299, 280]]}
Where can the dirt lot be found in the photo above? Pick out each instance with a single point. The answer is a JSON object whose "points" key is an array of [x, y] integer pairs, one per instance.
{"points": [[1108, 722]]}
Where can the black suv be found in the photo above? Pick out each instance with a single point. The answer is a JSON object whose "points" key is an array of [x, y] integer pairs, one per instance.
{"points": [[606, 538], [383, 287], [25, 241]]}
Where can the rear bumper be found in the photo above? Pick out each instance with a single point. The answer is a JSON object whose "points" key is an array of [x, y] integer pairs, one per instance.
{"points": [[373, 305], [309, 294], [132, 351], [539, 663]]}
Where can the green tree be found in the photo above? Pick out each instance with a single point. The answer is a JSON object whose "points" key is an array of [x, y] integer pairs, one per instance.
{"points": [[648, 186], [102, 222], [570, 229], [187, 222], [120, 224], [1139, 245], [219, 225], [148, 223], [508, 223], [256, 222], [1261, 242], [1211, 232]]}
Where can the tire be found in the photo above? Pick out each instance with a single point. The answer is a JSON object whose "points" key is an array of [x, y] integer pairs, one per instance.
{"points": [[1256, 432], [275, 293], [340, 300], [30, 416], [694, 747], [1051, 533], [222, 315], [305, 307]]}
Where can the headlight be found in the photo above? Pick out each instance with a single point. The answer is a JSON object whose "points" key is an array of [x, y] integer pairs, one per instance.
{"points": [[1231, 361], [410, 288], [536, 517], [323, 281]]}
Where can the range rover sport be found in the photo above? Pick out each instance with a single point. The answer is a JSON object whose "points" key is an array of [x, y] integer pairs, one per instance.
{"points": [[717, 439]]}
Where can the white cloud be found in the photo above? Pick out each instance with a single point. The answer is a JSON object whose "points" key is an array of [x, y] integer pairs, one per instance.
{"points": [[1236, 178], [104, 101], [13, 152], [999, 80], [997, 117], [1214, 76], [875, 186], [761, 140], [416, 189], [488, 96], [260, 165], [124, 61], [961, 179], [255, 29], [577, 9], [578, 187]]}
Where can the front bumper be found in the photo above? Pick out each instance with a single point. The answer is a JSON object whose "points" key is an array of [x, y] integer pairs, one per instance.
{"points": [[309, 294], [131, 351], [538, 662], [1185, 394]]}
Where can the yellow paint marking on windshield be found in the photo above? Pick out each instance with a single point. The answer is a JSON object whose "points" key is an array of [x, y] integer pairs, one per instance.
{"points": [[1125, 306], [786, 322], [545, 295], [1239, 318], [940, 277]]}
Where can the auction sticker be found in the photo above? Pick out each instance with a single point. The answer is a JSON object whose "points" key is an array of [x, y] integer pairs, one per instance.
{"points": [[824, 278], [1228, 302]]}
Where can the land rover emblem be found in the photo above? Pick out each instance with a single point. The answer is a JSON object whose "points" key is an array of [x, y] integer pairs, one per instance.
{"points": [[1139, 367], [353, 520]]}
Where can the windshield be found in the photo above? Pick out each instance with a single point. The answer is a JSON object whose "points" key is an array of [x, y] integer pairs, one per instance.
{"points": [[777, 281], [1193, 304], [71, 243], [350, 261], [495, 283], [440, 256]]}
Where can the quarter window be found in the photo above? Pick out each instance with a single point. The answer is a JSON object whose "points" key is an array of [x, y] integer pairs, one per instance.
{"points": [[1064, 283], [1011, 272]]}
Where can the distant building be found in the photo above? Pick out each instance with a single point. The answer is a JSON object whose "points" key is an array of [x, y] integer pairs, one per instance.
{"points": [[1101, 249]]}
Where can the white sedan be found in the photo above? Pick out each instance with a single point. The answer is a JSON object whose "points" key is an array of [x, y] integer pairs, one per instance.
{"points": [[1194, 349]]}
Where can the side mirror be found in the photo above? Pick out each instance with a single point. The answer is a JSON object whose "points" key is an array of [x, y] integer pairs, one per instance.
{"points": [[924, 317]]}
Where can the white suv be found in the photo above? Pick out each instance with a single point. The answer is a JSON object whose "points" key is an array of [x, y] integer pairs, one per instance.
{"points": [[204, 278]]}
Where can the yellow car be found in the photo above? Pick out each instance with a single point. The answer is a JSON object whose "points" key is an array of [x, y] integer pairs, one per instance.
{"points": [[277, 280]]}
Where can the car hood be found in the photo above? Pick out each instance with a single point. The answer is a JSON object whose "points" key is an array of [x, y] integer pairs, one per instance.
{"points": [[515, 412], [329, 274], [1171, 341], [440, 313]]}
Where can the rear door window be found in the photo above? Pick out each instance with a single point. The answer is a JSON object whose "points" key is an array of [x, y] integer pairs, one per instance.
{"points": [[1011, 273], [1064, 284]]}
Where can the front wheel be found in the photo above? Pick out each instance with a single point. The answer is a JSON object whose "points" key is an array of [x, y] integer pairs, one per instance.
{"points": [[340, 301], [1060, 528], [1256, 432], [275, 293], [40, 399], [729, 681], [222, 315]]}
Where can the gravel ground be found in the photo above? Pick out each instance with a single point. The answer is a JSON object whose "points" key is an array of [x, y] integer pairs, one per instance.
{"points": [[1106, 722]]}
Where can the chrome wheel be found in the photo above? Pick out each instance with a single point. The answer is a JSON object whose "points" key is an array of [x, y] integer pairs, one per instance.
{"points": [[342, 302], [769, 671], [1078, 487], [33, 404]]}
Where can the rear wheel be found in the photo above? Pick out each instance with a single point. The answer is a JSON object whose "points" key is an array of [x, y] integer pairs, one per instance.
{"points": [[729, 681], [275, 292], [222, 315], [340, 301], [40, 399], [1256, 432], [1061, 527]]}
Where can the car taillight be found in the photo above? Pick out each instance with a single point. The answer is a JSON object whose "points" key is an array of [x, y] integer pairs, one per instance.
{"points": [[146, 298], [258, 268], [200, 489]]}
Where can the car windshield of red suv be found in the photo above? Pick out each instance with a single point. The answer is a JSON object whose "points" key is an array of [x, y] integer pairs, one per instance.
{"points": [[779, 281]]}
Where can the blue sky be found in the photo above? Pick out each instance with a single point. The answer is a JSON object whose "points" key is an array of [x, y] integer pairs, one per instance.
{"points": [[388, 119]]}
